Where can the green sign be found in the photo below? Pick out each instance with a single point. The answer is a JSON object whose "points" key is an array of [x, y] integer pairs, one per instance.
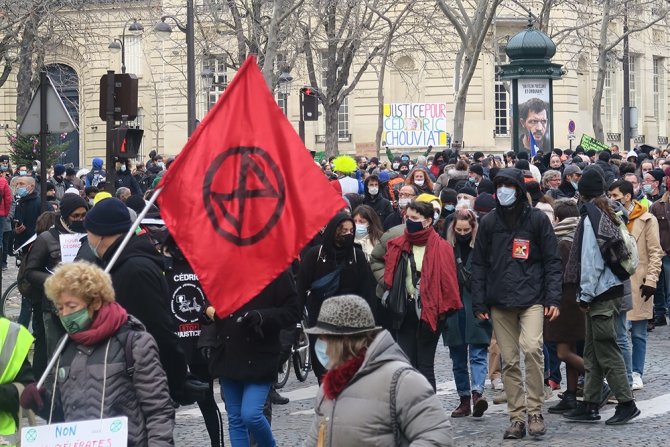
{"points": [[589, 143]]}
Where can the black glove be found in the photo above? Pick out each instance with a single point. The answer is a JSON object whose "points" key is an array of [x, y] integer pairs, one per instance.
{"points": [[647, 292], [192, 391], [253, 320]]}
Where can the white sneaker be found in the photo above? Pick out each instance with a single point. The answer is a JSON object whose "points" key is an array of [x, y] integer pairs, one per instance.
{"points": [[637, 382], [497, 384]]}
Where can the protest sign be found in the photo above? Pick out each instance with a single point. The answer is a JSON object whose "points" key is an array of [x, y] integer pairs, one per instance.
{"points": [[590, 143], [69, 246], [534, 118], [111, 432], [415, 125]]}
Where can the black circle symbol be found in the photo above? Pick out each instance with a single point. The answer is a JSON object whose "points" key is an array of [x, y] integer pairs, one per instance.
{"points": [[250, 159]]}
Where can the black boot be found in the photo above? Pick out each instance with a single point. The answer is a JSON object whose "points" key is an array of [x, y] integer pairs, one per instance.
{"points": [[585, 412], [567, 403], [624, 412], [276, 398]]}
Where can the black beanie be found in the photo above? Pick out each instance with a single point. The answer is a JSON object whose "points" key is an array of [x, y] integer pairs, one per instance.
{"points": [[591, 184], [108, 217], [69, 203]]}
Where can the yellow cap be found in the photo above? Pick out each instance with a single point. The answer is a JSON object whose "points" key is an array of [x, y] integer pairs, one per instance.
{"points": [[428, 198], [101, 196]]}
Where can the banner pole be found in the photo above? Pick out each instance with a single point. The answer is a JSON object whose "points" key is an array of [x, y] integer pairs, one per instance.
{"points": [[117, 254]]}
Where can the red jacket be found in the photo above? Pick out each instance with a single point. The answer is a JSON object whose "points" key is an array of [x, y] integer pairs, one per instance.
{"points": [[6, 197]]}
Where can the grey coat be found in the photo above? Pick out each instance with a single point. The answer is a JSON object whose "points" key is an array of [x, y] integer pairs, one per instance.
{"points": [[360, 415], [144, 398]]}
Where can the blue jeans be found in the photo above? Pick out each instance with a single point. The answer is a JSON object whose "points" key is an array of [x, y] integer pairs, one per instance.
{"points": [[639, 338], [478, 367], [552, 366], [622, 341], [662, 296], [244, 404]]}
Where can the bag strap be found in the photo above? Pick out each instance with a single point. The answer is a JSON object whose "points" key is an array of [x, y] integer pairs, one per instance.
{"points": [[126, 339], [415, 273], [394, 384]]}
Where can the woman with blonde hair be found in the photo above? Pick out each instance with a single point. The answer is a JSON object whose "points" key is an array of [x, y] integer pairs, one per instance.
{"points": [[468, 338], [109, 368], [370, 395]]}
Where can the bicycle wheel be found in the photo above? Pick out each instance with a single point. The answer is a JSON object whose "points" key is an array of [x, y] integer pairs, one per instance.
{"points": [[301, 358], [282, 375], [10, 305]]}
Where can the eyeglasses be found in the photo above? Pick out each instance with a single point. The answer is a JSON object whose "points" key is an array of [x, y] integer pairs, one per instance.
{"points": [[403, 195]]}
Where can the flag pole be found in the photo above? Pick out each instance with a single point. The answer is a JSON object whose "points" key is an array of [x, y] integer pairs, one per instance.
{"points": [[110, 265]]}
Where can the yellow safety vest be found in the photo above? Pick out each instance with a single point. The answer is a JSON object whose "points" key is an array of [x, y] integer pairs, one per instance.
{"points": [[15, 342]]}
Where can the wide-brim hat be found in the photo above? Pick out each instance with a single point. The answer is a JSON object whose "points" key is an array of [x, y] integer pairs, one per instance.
{"points": [[344, 315]]}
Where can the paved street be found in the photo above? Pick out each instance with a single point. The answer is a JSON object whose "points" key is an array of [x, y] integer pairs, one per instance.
{"points": [[291, 422]]}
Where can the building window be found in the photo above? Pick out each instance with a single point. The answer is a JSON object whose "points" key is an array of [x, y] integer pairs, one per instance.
{"points": [[633, 81], [501, 98], [282, 102], [217, 65], [134, 55], [659, 95], [343, 119]]}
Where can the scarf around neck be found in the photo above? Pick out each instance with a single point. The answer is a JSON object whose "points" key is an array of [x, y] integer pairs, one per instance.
{"points": [[106, 322], [337, 379], [439, 285], [565, 229]]}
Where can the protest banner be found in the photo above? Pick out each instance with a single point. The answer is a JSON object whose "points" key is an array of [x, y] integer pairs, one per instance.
{"points": [[590, 143], [69, 246], [415, 125]]}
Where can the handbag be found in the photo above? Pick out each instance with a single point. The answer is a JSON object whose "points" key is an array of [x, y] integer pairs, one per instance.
{"points": [[397, 298]]}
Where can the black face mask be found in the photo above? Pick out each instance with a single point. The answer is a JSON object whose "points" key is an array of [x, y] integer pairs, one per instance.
{"points": [[463, 238], [413, 227], [344, 241], [77, 226], [404, 173]]}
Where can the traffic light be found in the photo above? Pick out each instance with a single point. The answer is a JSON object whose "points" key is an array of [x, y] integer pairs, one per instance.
{"points": [[310, 104], [126, 142]]}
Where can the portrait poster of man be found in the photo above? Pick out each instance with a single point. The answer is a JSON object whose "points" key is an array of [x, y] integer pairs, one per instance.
{"points": [[534, 117]]}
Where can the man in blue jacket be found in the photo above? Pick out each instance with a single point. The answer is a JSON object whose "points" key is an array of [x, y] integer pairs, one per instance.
{"points": [[516, 282]]}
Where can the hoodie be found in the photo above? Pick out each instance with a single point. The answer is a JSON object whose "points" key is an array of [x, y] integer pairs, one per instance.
{"points": [[97, 163]]}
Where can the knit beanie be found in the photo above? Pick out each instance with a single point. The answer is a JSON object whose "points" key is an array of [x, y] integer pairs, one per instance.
{"points": [[59, 169], [69, 203], [591, 184], [108, 217]]}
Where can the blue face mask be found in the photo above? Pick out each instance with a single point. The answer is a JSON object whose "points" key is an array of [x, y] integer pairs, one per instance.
{"points": [[449, 207], [320, 348], [22, 191], [574, 184], [361, 231], [506, 195], [647, 188], [3, 168]]}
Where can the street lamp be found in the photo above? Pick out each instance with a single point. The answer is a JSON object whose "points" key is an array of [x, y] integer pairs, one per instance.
{"points": [[285, 80], [163, 31], [207, 76], [117, 45]]}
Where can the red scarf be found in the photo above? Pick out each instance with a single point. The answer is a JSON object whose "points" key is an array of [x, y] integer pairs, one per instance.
{"points": [[337, 379], [106, 322], [439, 285]]}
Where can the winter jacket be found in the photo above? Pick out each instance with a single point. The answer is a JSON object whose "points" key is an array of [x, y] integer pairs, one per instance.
{"points": [[142, 397], [355, 277], [393, 220], [377, 263], [60, 186], [661, 210], [532, 275], [611, 171], [239, 352], [5, 196], [449, 180], [596, 278], [140, 287], [28, 209], [360, 415], [564, 191], [381, 205], [650, 253], [126, 179]]}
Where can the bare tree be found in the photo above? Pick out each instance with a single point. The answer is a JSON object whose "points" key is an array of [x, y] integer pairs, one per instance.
{"points": [[471, 22]]}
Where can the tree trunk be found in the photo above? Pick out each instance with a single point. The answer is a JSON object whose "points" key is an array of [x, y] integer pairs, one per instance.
{"points": [[331, 111], [24, 74], [596, 118], [459, 114]]}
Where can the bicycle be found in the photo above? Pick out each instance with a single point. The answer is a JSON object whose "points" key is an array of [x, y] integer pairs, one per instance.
{"points": [[298, 356], [10, 303]]}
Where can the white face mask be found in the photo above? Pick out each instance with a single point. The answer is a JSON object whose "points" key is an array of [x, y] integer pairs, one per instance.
{"points": [[123, 168], [373, 191], [402, 203], [418, 182], [436, 217], [506, 195], [463, 204]]}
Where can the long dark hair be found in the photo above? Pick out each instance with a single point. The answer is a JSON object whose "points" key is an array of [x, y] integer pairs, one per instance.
{"points": [[603, 204], [375, 228]]}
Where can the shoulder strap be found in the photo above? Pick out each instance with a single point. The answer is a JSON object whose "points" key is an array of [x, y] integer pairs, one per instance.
{"points": [[394, 385], [126, 338]]}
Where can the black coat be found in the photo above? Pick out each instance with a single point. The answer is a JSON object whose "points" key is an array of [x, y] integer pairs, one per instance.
{"points": [[140, 287], [126, 179], [382, 206], [564, 191], [500, 280], [28, 209], [611, 171], [393, 220], [239, 353], [355, 278]]}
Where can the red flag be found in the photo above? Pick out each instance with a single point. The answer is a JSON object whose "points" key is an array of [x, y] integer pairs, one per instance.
{"points": [[244, 196]]}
